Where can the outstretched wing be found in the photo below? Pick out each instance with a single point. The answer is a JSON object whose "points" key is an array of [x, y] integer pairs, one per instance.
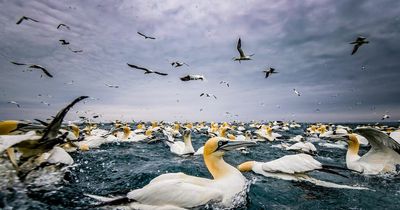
{"points": [[20, 20], [138, 67], [160, 73], [378, 139], [239, 48], [355, 48], [142, 34]]}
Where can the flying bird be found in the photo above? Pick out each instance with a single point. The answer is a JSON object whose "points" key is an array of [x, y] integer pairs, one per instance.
{"points": [[296, 92], [208, 95], [178, 64], [62, 24], [192, 77], [224, 82], [146, 37], [147, 71], [75, 51], [13, 102], [269, 72], [386, 116], [45, 103], [112, 86], [25, 18], [35, 66], [64, 42], [242, 57], [359, 41]]}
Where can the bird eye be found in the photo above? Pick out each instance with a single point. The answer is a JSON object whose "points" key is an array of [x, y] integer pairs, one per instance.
{"points": [[220, 143]]}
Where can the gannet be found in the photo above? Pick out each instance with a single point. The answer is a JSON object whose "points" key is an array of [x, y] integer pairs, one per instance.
{"points": [[75, 51], [178, 190], [111, 86], [269, 72], [296, 92], [64, 42], [45, 103], [385, 116], [14, 102], [182, 148], [293, 168], [147, 71], [383, 156], [178, 64], [265, 132], [208, 95], [359, 41], [306, 147], [25, 18], [145, 37], [224, 82], [62, 24], [192, 77], [242, 57]]}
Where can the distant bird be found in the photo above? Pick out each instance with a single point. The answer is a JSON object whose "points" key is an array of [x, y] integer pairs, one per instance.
{"points": [[208, 95], [69, 83], [363, 68], [45, 103], [296, 92], [192, 77], [75, 51], [13, 102], [112, 86], [147, 71], [18, 64], [62, 24], [224, 82], [146, 37], [242, 57], [269, 72], [178, 64], [64, 42], [25, 18], [35, 66], [359, 41], [385, 117]]}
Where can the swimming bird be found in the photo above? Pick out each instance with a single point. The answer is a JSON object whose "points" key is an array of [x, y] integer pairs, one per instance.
{"points": [[35, 66], [296, 92], [182, 148], [359, 41], [14, 102], [147, 71], [178, 64], [224, 82], [242, 57], [385, 116], [63, 25], [383, 156], [64, 42], [25, 18], [269, 72], [192, 77], [145, 37], [208, 95], [178, 190], [293, 168], [112, 86]]}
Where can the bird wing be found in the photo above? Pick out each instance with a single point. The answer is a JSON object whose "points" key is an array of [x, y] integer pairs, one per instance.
{"points": [[239, 48], [355, 48], [291, 164], [378, 140], [160, 73], [141, 34], [186, 192], [150, 37], [185, 78], [32, 19], [202, 94], [266, 74], [227, 84], [215, 96], [44, 70], [20, 20], [18, 64], [138, 67]]}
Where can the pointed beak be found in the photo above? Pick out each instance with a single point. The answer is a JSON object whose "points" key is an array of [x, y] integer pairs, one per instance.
{"points": [[231, 145]]}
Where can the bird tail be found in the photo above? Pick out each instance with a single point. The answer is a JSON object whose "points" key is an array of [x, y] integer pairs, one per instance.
{"points": [[107, 201]]}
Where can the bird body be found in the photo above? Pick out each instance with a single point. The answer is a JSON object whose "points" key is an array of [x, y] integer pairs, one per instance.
{"points": [[357, 44], [296, 92], [208, 95], [270, 72], [192, 77], [178, 64], [242, 56]]}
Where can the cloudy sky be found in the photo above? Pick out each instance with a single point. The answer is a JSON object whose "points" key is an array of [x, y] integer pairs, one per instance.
{"points": [[306, 41]]}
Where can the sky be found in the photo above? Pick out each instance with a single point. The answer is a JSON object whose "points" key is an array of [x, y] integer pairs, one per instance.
{"points": [[307, 42]]}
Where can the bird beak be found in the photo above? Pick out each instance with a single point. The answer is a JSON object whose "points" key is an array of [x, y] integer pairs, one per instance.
{"points": [[28, 127], [231, 145]]}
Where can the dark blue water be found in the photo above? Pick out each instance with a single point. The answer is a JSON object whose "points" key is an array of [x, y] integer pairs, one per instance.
{"points": [[117, 168]]}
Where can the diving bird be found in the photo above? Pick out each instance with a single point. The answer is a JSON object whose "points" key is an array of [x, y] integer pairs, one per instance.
{"points": [[178, 64], [64, 42], [145, 37], [147, 71], [192, 77], [208, 95], [35, 66], [359, 41], [112, 86], [224, 82], [296, 92], [242, 57], [383, 156], [13, 102], [269, 72], [25, 18], [63, 25], [178, 190], [385, 116], [293, 168]]}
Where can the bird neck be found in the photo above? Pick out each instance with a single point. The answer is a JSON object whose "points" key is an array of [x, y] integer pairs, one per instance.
{"points": [[188, 142], [218, 167], [353, 148]]}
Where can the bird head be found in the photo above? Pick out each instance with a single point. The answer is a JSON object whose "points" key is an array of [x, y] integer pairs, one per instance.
{"points": [[217, 146], [246, 166]]}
